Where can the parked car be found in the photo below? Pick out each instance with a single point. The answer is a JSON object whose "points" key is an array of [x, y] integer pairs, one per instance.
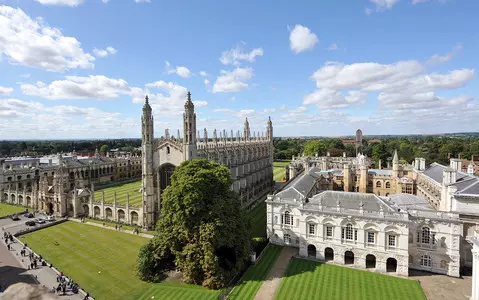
{"points": [[40, 221], [28, 215], [50, 218], [30, 223], [15, 218]]}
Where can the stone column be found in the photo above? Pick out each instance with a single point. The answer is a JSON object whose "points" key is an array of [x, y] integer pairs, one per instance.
{"points": [[475, 274]]}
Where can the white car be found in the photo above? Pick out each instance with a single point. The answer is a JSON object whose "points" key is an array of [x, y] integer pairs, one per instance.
{"points": [[50, 218], [39, 221]]}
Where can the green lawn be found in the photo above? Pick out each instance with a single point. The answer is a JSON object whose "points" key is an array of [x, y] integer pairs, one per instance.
{"points": [[256, 274], [258, 220], [279, 171], [131, 188], [6, 209], [311, 280], [112, 224], [103, 262]]}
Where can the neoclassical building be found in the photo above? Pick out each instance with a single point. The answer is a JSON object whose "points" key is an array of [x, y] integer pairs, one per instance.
{"points": [[386, 234], [248, 156], [63, 185]]}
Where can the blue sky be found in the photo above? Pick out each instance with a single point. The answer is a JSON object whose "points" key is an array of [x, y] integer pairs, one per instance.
{"points": [[81, 68]]}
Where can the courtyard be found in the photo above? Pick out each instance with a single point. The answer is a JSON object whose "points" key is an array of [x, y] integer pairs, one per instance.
{"points": [[279, 170], [121, 189], [306, 279], [103, 262], [6, 209]]}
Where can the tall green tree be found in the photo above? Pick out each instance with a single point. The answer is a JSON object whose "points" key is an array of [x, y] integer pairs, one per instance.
{"points": [[104, 149], [314, 147], [202, 230]]}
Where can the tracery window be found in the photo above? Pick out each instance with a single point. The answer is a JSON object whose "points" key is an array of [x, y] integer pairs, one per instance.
{"points": [[425, 236]]}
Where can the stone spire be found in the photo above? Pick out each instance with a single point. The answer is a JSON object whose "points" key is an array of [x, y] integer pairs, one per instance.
{"points": [[269, 130], [198, 137], [232, 136], [246, 130], [167, 133], [178, 135], [215, 137], [395, 157], [189, 104], [205, 136]]}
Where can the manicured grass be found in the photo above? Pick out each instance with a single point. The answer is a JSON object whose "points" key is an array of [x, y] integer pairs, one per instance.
{"points": [[258, 220], [6, 209], [103, 262], [256, 274], [311, 280], [112, 224], [279, 171], [131, 188]]}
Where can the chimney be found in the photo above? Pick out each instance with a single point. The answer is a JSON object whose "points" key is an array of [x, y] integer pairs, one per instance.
{"points": [[380, 165], [449, 176], [456, 164], [459, 155], [50, 162]]}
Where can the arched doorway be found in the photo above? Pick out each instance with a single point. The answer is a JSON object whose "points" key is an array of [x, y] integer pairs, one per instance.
{"points": [[134, 217], [348, 258], [121, 215], [50, 208], [312, 251], [20, 200], [29, 201], [328, 254], [96, 212], [86, 210], [370, 261], [165, 172], [391, 265], [108, 213]]}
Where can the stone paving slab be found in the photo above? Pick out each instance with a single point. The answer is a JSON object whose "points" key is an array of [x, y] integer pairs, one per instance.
{"points": [[442, 287], [271, 284]]}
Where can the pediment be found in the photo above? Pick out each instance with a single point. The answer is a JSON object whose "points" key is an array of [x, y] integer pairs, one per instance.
{"points": [[171, 144]]}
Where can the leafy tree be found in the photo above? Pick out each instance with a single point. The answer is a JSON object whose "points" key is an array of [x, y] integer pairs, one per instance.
{"points": [[104, 149], [202, 231], [314, 147]]}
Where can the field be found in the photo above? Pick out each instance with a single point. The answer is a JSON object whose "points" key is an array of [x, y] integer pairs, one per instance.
{"points": [[103, 262], [256, 274], [6, 209], [279, 172], [311, 280], [131, 188], [258, 220]]}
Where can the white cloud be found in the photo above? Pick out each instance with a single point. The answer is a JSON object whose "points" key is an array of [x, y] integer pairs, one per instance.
{"points": [[35, 44], [384, 4], [76, 87], [207, 82], [437, 59], [235, 56], [105, 1], [71, 3], [203, 73], [104, 52], [301, 39], [333, 47], [327, 98], [232, 81], [5, 91], [142, 1], [179, 70], [368, 11]]}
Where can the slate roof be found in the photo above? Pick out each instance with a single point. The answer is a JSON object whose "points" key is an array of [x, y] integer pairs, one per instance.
{"points": [[408, 201], [383, 172], [466, 184], [301, 185], [350, 200]]}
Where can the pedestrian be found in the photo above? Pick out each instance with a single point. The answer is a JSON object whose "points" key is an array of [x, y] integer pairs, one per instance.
{"points": [[8, 247], [116, 227], [87, 296]]}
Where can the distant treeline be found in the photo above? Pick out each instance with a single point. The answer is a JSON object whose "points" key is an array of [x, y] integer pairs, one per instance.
{"points": [[432, 148], [15, 148]]}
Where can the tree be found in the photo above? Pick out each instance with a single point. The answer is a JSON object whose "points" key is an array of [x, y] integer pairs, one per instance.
{"points": [[312, 148], [202, 230], [104, 149]]}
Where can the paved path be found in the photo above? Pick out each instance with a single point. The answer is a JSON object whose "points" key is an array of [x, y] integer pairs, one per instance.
{"points": [[15, 267], [271, 284], [145, 235], [442, 287]]}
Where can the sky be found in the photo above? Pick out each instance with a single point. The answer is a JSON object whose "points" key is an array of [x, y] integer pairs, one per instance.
{"points": [[74, 69]]}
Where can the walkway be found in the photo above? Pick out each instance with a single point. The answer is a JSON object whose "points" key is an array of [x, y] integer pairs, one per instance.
{"points": [[145, 235], [442, 287], [271, 284], [14, 268]]}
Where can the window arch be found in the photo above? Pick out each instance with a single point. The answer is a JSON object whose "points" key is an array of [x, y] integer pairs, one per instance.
{"points": [[388, 184], [349, 233], [426, 260], [168, 150], [287, 218], [426, 236], [378, 184]]}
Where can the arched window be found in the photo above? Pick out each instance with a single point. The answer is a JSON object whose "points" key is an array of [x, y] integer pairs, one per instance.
{"points": [[168, 150], [378, 184], [349, 233], [287, 218], [388, 185], [355, 178], [426, 260], [287, 238], [425, 236]]}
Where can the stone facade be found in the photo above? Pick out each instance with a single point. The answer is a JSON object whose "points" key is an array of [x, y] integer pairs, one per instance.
{"points": [[64, 185], [386, 234], [249, 157], [474, 240]]}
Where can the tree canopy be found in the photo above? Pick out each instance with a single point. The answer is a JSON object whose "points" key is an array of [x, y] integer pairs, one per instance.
{"points": [[202, 230]]}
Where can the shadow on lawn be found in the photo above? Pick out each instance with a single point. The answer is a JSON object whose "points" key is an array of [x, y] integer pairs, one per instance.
{"points": [[10, 275]]}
